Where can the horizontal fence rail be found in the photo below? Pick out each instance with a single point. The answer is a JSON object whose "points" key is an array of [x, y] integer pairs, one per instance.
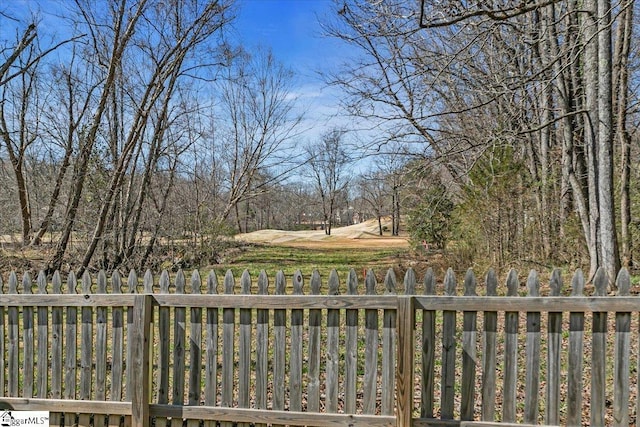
{"points": [[228, 352]]}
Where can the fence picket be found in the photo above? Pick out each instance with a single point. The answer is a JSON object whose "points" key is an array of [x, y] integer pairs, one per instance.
{"points": [[262, 350], [351, 349], [622, 355], [315, 322], [371, 350], [179, 343], [427, 388], [86, 350], [211, 364], [228, 346], [55, 418], [244, 362], [14, 341], [42, 385], [448, 351], [469, 352], [132, 288], [489, 353], [101, 349], [164, 340], [70, 352], [27, 340], [599, 354], [279, 347], [510, 354], [332, 355], [554, 342], [576, 356], [295, 363], [532, 376], [117, 347], [389, 339], [195, 349]]}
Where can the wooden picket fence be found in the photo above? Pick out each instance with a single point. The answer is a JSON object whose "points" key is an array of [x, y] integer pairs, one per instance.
{"points": [[142, 353]]}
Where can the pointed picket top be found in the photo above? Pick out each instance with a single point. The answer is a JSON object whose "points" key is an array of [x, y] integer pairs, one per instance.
{"points": [[180, 282], [42, 282], [334, 283], [600, 282], [533, 284], [13, 283], [470, 284], [410, 282], [352, 282], [132, 282], [56, 282], [429, 282], [298, 283], [491, 282], [512, 283], [229, 282], [147, 282], [263, 283], [623, 282], [165, 282], [370, 283], [281, 283], [116, 282], [86, 282], [212, 283], [577, 284], [245, 282], [390, 282], [555, 286], [450, 282], [102, 282], [316, 282], [27, 283], [72, 282], [196, 282]]}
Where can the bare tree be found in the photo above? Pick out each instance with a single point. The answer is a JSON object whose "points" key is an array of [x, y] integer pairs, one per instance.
{"points": [[327, 164]]}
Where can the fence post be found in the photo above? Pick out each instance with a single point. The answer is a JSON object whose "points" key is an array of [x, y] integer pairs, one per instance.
{"points": [[140, 391], [404, 373]]}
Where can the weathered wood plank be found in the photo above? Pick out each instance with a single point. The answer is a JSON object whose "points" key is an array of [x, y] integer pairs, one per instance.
{"points": [[228, 346], [86, 350], [14, 342], [279, 347], [117, 349], [554, 349], [313, 375], [599, 355], [195, 349], [351, 349], [622, 370], [511, 353], [245, 352], [404, 378], [2, 344], [448, 352], [211, 343], [389, 338], [164, 352], [140, 356], [532, 376], [262, 350], [71, 351], [469, 352], [295, 362], [132, 290], [489, 353], [179, 349], [427, 393], [101, 349], [42, 384], [27, 340], [272, 302], [576, 356], [332, 355], [55, 418], [371, 350]]}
